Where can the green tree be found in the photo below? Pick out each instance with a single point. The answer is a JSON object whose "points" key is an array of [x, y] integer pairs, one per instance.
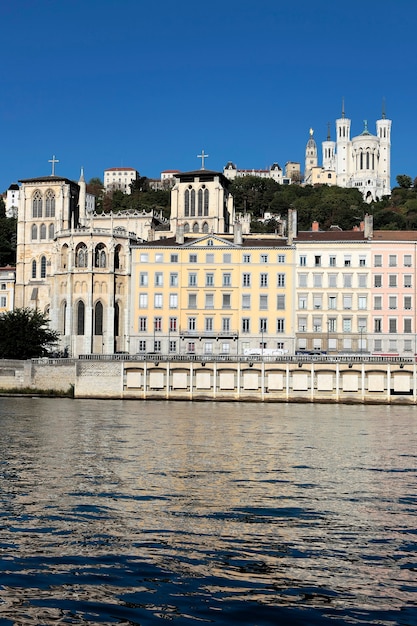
{"points": [[24, 334], [8, 235], [404, 181]]}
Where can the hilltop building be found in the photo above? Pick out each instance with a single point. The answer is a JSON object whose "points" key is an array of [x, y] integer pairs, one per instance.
{"points": [[119, 178], [231, 172], [362, 161]]}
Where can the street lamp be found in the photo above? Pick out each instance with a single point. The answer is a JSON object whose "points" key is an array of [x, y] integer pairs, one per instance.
{"points": [[262, 333], [361, 329]]}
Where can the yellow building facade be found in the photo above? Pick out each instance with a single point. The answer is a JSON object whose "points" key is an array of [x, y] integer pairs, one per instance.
{"points": [[213, 294]]}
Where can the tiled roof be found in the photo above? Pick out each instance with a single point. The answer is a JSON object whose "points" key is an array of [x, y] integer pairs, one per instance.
{"points": [[330, 235], [120, 169]]}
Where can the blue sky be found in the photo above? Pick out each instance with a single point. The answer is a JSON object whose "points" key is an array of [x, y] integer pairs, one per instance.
{"points": [[150, 84]]}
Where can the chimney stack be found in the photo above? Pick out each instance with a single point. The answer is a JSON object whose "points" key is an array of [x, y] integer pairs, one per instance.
{"points": [[180, 234]]}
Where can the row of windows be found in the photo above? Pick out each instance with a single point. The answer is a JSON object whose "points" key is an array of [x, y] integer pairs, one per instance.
{"points": [[393, 260], [209, 280], [393, 302], [332, 261], [333, 280], [97, 318], [407, 280], [361, 279], [42, 265], [192, 301], [333, 301], [332, 325], [155, 325], [190, 197], [43, 206], [318, 325], [319, 261], [209, 258], [43, 229]]}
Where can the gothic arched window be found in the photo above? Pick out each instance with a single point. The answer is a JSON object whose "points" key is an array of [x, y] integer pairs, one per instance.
{"points": [[117, 252], [206, 202], [49, 203], [100, 256], [43, 267], [116, 320], [195, 228], [34, 232], [42, 231], [186, 227], [37, 204], [200, 203], [205, 230], [51, 231], [64, 256], [192, 207], [80, 318], [98, 319], [63, 317], [33, 269], [187, 203], [81, 257]]}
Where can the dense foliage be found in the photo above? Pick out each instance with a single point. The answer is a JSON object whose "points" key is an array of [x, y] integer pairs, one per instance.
{"points": [[327, 205], [8, 228], [24, 334], [142, 197]]}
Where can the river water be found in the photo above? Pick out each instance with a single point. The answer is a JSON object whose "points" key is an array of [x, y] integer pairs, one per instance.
{"points": [[130, 512]]}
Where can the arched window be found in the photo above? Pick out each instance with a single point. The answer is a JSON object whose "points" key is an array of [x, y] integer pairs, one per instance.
{"points": [[98, 319], [64, 257], [63, 317], [42, 231], [117, 252], [116, 320], [34, 232], [195, 228], [81, 258], [49, 203], [80, 318], [43, 267], [206, 229], [192, 207], [186, 227], [100, 256], [206, 202], [200, 203], [51, 231], [187, 203], [33, 269], [37, 204]]}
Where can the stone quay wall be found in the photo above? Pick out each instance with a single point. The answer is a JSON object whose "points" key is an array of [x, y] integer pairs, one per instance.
{"points": [[291, 379], [354, 380]]}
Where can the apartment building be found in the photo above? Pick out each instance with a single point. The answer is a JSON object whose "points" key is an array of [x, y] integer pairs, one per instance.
{"points": [[212, 295]]}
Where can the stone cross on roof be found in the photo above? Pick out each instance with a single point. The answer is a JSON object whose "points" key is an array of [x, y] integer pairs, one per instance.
{"points": [[202, 156], [53, 161]]}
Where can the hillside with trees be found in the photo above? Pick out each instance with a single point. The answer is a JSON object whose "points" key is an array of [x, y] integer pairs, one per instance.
{"points": [[327, 205]]}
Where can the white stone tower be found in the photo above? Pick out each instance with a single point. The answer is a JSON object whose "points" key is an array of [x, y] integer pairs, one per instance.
{"points": [[310, 158]]}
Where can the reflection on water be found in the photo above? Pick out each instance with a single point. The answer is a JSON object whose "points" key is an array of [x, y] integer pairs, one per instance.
{"points": [[213, 513]]}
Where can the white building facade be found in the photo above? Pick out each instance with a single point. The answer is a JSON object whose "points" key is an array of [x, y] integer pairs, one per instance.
{"points": [[362, 162]]}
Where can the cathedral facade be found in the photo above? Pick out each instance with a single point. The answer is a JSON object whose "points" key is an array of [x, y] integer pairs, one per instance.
{"points": [[74, 264], [362, 162]]}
